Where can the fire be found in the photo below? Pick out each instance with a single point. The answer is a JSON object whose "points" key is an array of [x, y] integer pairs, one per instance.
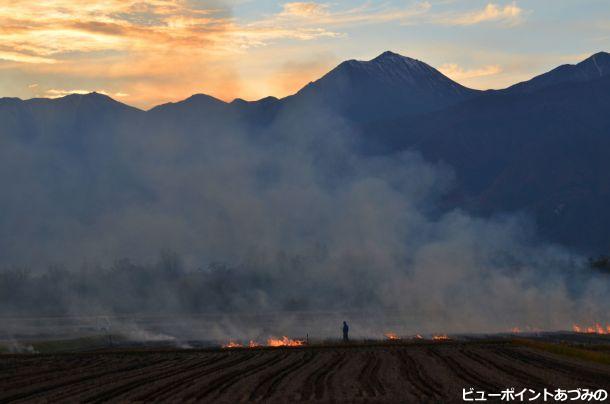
{"points": [[233, 344], [391, 336], [285, 341], [272, 342], [442, 337], [516, 330], [417, 336], [598, 328]]}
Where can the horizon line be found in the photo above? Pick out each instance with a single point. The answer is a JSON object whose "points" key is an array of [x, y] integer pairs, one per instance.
{"points": [[103, 93]]}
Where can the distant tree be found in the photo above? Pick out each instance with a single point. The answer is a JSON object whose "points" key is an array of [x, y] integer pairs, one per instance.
{"points": [[15, 289], [170, 264], [601, 263]]}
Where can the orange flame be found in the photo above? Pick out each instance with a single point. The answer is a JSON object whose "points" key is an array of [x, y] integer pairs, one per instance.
{"points": [[598, 328], [285, 341], [233, 344], [417, 336], [253, 344], [391, 336], [443, 337], [516, 330]]}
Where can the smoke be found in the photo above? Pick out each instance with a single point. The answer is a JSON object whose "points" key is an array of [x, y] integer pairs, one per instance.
{"points": [[15, 347], [291, 221]]}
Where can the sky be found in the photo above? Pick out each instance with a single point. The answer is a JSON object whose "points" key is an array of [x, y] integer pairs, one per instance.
{"points": [[148, 52]]}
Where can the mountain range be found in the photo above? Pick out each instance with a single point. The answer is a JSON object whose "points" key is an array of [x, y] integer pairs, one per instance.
{"points": [[539, 147]]}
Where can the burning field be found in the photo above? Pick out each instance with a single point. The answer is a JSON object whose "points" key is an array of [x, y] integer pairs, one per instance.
{"points": [[287, 370], [271, 342]]}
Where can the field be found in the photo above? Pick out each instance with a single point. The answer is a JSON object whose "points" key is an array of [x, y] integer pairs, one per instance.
{"points": [[414, 372]]}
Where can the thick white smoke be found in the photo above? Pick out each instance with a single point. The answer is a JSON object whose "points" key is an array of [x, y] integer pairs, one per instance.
{"points": [[297, 218]]}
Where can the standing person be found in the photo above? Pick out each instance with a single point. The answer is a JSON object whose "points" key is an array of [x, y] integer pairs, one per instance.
{"points": [[345, 332]]}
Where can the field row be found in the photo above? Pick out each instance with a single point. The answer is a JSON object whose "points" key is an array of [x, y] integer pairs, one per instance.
{"points": [[379, 374]]}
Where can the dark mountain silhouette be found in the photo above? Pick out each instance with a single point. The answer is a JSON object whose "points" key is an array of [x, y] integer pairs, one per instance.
{"points": [[543, 152], [68, 115], [589, 69], [539, 146], [388, 86]]}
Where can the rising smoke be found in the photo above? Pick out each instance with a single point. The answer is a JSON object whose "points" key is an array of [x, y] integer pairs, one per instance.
{"points": [[289, 219]]}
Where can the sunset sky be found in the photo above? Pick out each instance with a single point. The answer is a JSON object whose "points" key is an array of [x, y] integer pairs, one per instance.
{"points": [[149, 52]]}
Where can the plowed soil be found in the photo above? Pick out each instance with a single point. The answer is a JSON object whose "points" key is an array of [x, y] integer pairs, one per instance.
{"points": [[412, 373]]}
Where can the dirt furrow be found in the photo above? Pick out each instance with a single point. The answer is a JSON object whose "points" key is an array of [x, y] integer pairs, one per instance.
{"points": [[469, 376], [219, 385], [27, 377], [158, 392], [16, 368], [311, 381], [417, 377], [520, 375], [83, 388], [587, 377], [54, 385], [329, 379], [116, 389], [378, 374], [318, 382], [268, 385], [370, 386]]}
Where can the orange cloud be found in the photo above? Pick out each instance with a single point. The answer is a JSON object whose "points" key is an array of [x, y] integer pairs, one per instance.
{"points": [[457, 73], [510, 14], [160, 47], [153, 51], [304, 9], [57, 93]]}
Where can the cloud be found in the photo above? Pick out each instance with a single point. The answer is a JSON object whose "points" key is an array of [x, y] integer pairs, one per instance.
{"points": [[457, 72], [304, 9], [366, 13], [57, 93], [164, 50], [24, 58], [510, 14], [46, 33], [160, 50]]}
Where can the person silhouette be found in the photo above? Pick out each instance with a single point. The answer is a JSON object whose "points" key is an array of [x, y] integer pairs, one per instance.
{"points": [[345, 332]]}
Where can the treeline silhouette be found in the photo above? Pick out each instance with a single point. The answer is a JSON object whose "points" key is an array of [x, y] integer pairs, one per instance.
{"points": [[125, 287], [167, 286]]}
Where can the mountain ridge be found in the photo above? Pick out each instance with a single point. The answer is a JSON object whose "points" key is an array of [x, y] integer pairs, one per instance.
{"points": [[540, 151], [384, 59], [591, 68]]}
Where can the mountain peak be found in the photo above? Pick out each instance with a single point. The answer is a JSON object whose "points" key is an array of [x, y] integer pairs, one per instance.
{"points": [[94, 95], [91, 101], [592, 68], [388, 55], [389, 68], [203, 98], [600, 55], [597, 63], [387, 86], [195, 101]]}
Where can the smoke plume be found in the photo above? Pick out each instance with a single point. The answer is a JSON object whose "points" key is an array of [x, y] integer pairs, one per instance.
{"points": [[293, 221]]}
